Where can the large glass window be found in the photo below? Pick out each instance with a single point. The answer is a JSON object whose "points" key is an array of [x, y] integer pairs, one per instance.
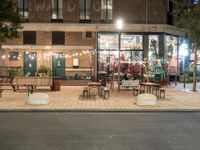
{"points": [[106, 10], [184, 48], [57, 9], [131, 53], [153, 53], [108, 41], [131, 42], [85, 8], [171, 54], [23, 9]]}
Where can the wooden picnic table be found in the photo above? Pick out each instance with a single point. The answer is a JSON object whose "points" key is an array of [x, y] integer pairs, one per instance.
{"points": [[149, 86]]}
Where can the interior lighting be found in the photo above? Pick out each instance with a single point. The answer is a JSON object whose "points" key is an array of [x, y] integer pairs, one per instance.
{"points": [[119, 24]]}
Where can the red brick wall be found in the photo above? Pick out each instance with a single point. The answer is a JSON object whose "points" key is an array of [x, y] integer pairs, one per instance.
{"points": [[157, 11], [43, 38], [78, 39], [71, 11], [133, 11], [129, 10], [96, 11], [39, 10]]}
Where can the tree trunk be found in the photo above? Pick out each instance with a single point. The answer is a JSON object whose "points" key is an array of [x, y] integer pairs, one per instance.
{"points": [[195, 68]]}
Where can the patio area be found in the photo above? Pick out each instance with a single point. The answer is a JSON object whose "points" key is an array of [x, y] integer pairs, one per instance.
{"points": [[70, 98]]}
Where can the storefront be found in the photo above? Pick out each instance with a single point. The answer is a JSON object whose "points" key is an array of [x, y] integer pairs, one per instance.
{"points": [[130, 52], [74, 63], [162, 50]]}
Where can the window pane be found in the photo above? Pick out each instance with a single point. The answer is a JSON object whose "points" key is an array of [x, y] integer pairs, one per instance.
{"points": [[60, 9], [106, 9], [171, 54], [153, 49], [110, 7], [82, 9], [103, 9], [88, 7], [108, 41], [131, 42], [20, 5], [54, 9], [57, 11]]}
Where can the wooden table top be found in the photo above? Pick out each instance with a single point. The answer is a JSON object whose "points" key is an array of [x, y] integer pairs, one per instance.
{"points": [[94, 83]]}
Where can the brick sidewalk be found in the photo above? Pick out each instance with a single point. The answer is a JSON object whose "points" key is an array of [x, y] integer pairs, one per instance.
{"points": [[70, 98]]}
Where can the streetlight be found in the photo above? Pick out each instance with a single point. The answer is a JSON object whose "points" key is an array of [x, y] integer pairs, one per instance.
{"points": [[119, 26]]}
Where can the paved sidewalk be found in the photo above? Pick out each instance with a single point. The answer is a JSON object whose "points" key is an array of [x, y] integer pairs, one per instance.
{"points": [[70, 98]]}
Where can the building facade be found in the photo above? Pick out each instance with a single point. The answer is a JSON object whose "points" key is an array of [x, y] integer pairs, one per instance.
{"points": [[78, 38]]}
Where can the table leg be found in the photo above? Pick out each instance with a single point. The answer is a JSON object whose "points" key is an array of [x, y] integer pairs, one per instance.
{"points": [[89, 92]]}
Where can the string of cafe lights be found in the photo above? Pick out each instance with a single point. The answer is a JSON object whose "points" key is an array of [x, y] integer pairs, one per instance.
{"points": [[49, 54]]}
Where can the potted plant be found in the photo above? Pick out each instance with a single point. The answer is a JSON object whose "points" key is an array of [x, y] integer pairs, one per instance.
{"points": [[45, 69]]}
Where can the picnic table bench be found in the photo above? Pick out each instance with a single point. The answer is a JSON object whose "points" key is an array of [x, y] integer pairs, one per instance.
{"points": [[32, 82], [5, 82]]}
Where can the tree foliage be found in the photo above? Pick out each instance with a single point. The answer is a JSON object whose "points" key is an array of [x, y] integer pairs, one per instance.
{"points": [[9, 20], [187, 16]]}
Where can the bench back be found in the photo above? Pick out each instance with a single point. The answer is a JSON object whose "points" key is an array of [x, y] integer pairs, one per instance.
{"points": [[38, 81], [130, 83], [5, 80]]}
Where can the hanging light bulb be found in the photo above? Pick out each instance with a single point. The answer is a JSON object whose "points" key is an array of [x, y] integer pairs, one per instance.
{"points": [[3, 57]]}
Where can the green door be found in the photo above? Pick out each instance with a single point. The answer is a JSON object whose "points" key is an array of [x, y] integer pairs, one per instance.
{"points": [[30, 60], [58, 65]]}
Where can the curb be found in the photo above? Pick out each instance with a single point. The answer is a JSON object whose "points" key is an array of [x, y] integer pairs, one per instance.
{"points": [[99, 110]]}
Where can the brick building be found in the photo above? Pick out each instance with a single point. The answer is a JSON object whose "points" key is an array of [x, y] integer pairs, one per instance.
{"points": [[79, 36]]}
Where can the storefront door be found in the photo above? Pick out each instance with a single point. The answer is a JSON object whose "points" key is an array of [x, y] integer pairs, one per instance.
{"points": [[58, 65], [30, 60]]}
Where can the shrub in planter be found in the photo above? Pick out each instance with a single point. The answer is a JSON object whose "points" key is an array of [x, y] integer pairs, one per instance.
{"points": [[45, 69], [13, 73]]}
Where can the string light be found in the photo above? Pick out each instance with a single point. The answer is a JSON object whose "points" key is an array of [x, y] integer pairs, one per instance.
{"points": [[3, 57]]}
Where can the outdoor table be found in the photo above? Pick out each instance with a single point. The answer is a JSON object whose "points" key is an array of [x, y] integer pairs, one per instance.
{"points": [[94, 85], [149, 85]]}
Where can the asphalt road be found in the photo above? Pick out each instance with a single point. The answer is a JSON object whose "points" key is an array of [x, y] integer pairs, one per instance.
{"points": [[99, 131]]}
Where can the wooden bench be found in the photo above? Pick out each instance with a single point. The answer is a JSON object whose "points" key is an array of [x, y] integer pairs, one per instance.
{"points": [[85, 92], [5, 82], [105, 91], [130, 83], [32, 82]]}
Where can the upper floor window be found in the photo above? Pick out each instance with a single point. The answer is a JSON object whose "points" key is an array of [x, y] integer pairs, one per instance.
{"points": [[58, 38], [85, 8], [106, 10], [29, 37], [23, 9], [57, 10]]}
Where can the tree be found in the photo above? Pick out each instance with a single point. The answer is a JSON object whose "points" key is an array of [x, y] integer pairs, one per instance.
{"points": [[10, 20], [187, 16]]}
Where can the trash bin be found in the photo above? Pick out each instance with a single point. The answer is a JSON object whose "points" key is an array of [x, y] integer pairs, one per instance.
{"points": [[102, 77], [56, 84]]}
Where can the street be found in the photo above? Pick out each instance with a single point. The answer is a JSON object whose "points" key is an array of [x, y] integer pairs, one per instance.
{"points": [[99, 131]]}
